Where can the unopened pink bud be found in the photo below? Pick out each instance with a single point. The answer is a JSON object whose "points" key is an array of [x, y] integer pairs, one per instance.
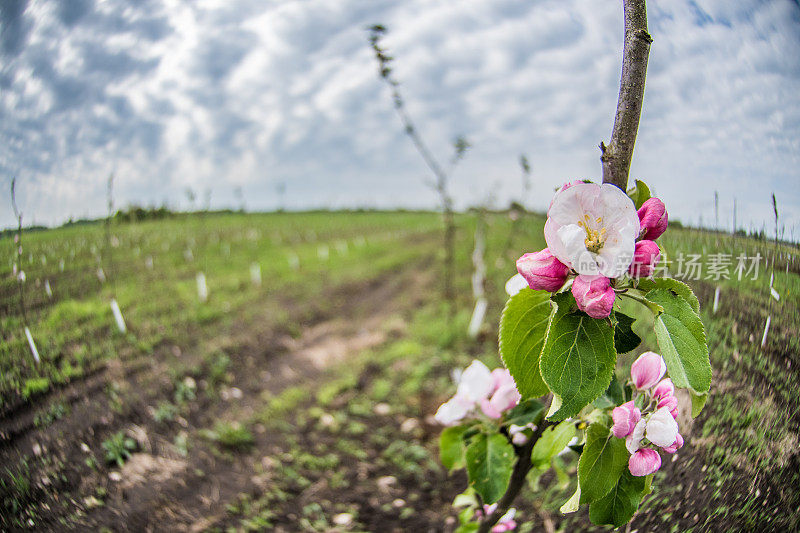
{"points": [[647, 370], [519, 439], [664, 388], [594, 295], [542, 271], [625, 417], [674, 413], [653, 219], [644, 462], [646, 256], [675, 446]]}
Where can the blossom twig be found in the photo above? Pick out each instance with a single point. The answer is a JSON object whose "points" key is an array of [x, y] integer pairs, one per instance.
{"points": [[616, 156]]}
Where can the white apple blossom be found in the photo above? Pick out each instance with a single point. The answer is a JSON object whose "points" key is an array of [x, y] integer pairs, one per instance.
{"points": [[662, 429], [593, 229], [476, 382]]}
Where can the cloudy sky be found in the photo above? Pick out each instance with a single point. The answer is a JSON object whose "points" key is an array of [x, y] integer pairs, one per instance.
{"points": [[216, 95]]}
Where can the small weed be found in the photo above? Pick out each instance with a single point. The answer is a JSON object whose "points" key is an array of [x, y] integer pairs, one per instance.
{"points": [[118, 448], [45, 417], [185, 390], [34, 387], [165, 412], [233, 436]]}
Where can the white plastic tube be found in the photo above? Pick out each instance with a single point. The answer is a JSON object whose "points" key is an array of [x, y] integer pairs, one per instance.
{"points": [[255, 274], [202, 288], [118, 316], [32, 344]]}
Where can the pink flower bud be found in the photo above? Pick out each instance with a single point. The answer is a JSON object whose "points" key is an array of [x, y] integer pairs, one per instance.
{"points": [[594, 295], [664, 388], [519, 439], [675, 446], [674, 413], [653, 219], [647, 370], [668, 401], [646, 256], [644, 462], [542, 271], [626, 416]]}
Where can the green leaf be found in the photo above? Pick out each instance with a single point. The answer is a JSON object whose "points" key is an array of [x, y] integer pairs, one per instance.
{"points": [[625, 340], [523, 329], [602, 462], [577, 359], [452, 446], [490, 460], [528, 411], [614, 395], [682, 341], [617, 507], [698, 402], [553, 440], [571, 505], [639, 193], [678, 287]]}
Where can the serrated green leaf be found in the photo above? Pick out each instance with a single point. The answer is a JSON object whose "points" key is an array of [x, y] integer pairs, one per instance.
{"points": [[639, 193], [682, 341], [452, 447], [490, 461], [578, 358], [625, 340], [528, 411], [553, 440], [523, 329], [618, 506], [602, 462], [678, 287]]}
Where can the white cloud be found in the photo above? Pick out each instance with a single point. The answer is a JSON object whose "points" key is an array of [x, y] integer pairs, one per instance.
{"points": [[223, 94]]}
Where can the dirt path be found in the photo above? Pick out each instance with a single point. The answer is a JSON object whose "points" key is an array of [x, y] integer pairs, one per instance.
{"points": [[161, 489]]}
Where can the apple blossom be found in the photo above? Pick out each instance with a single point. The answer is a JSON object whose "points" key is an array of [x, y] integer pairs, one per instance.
{"points": [[453, 410], [505, 395], [476, 382], [662, 429], [647, 370], [493, 391], [625, 417], [634, 441], [668, 401], [646, 256], [593, 295], [675, 446], [664, 388], [644, 462], [542, 271], [515, 284], [592, 229], [653, 219], [506, 522]]}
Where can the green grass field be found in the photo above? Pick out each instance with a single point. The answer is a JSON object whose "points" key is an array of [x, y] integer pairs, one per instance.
{"points": [[304, 403]]}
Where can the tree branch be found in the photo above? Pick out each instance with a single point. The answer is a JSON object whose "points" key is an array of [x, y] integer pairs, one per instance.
{"points": [[518, 475], [616, 157]]}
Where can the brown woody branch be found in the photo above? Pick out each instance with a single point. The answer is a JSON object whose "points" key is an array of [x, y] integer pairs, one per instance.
{"points": [[616, 156]]}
